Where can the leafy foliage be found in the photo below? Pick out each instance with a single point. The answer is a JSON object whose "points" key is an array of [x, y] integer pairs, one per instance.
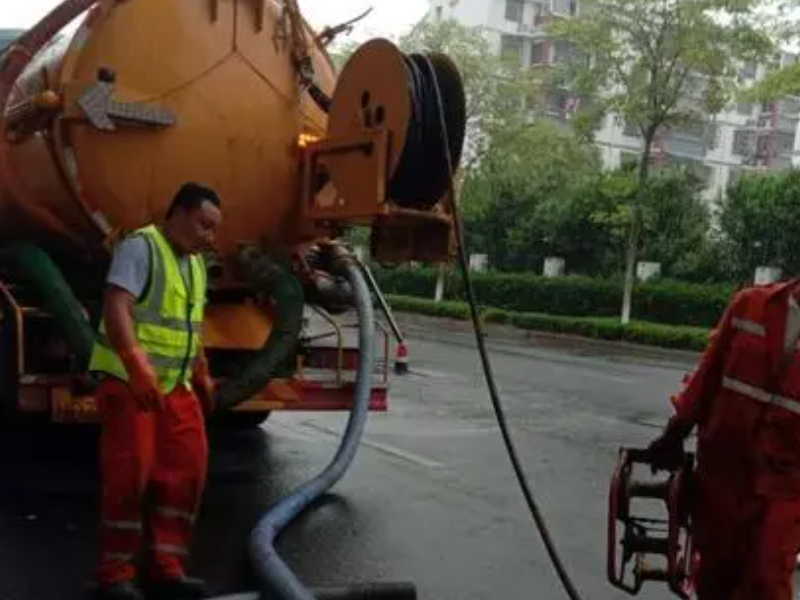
{"points": [[665, 301], [760, 222], [607, 328], [658, 64]]}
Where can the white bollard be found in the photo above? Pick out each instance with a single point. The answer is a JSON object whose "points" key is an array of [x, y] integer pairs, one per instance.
{"points": [[439, 293], [647, 270], [554, 266], [767, 275], [478, 262]]}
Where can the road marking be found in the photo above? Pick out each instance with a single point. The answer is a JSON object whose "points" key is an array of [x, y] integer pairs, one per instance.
{"points": [[384, 448]]}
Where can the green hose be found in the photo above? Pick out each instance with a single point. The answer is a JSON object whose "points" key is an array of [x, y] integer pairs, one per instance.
{"points": [[268, 276], [34, 268]]}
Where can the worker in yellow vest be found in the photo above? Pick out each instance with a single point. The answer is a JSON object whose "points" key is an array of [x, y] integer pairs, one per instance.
{"points": [[156, 387]]}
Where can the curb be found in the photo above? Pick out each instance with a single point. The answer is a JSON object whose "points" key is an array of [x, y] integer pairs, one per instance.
{"points": [[427, 327]]}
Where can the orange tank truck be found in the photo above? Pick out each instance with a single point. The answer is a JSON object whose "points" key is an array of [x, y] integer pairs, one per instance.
{"points": [[100, 126]]}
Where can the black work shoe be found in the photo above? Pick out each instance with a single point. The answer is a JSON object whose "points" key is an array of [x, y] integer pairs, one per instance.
{"points": [[122, 590], [183, 588]]}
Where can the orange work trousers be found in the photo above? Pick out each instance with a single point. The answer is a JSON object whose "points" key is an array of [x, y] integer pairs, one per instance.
{"points": [[153, 467], [747, 543]]}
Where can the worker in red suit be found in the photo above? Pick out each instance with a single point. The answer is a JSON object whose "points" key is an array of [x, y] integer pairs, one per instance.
{"points": [[744, 399], [155, 387]]}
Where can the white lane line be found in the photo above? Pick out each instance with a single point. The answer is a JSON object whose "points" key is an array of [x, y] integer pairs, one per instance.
{"points": [[384, 448]]}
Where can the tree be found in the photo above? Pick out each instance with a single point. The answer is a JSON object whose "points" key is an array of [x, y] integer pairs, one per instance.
{"points": [[658, 64], [675, 222], [760, 222], [497, 88], [530, 197]]}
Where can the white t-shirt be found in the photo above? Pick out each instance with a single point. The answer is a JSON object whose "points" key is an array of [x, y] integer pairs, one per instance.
{"points": [[130, 265]]}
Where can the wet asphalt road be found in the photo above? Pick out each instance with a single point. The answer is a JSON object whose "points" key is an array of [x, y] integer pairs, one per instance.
{"points": [[431, 497]]}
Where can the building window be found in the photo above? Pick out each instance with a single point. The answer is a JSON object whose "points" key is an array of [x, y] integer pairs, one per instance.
{"points": [[745, 109], [628, 160], [514, 10], [790, 106], [565, 7], [539, 13], [565, 52], [540, 53], [743, 142], [784, 143], [748, 71], [631, 129], [511, 48]]}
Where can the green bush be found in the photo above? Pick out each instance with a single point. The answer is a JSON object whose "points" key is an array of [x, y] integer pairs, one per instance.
{"points": [[662, 301], [606, 328]]}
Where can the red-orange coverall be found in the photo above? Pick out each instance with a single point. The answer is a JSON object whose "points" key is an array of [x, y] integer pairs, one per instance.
{"points": [[160, 456], [745, 399]]}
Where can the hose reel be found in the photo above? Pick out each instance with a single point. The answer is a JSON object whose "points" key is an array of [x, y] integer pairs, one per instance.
{"points": [[635, 539], [381, 88]]}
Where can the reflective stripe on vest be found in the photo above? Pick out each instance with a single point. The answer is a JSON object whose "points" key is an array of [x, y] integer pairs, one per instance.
{"points": [[761, 395], [168, 320], [749, 326]]}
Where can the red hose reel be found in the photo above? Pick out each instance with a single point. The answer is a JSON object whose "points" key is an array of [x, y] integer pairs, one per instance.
{"points": [[661, 529]]}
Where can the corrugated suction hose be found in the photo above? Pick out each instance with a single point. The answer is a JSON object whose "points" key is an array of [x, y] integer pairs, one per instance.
{"points": [[34, 266], [276, 579]]}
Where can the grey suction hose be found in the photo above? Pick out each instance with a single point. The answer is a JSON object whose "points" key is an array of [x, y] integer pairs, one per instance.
{"points": [[277, 581], [374, 591]]}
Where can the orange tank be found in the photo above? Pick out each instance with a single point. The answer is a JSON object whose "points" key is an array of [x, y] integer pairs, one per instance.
{"points": [[213, 97], [101, 126]]}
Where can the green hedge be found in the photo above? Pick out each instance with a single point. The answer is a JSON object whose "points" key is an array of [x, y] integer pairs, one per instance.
{"points": [[663, 301], [606, 328]]}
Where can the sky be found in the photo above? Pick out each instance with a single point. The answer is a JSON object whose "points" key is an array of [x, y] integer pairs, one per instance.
{"points": [[390, 17]]}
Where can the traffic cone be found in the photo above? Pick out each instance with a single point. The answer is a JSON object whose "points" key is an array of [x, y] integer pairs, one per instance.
{"points": [[401, 359]]}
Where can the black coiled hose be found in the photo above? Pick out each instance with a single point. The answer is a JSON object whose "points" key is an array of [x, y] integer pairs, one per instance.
{"points": [[423, 173]]}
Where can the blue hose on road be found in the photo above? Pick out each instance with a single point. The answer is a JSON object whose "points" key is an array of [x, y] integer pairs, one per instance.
{"points": [[277, 581]]}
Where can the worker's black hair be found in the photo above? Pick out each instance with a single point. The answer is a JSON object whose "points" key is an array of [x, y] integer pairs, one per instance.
{"points": [[191, 195]]}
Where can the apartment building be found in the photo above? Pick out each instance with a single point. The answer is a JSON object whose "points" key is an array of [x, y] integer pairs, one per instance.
{"points": [[718, 149]]}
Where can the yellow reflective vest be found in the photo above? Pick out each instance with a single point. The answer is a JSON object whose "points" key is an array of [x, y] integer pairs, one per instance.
{"points": [[168, 320]]}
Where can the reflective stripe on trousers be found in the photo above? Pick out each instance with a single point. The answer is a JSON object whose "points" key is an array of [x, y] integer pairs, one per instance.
{"points": [[163, 452]]}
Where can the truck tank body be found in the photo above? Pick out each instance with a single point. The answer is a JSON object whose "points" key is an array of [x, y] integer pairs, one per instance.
{"points": [[141, 97], [104, 123], [223, 69]]}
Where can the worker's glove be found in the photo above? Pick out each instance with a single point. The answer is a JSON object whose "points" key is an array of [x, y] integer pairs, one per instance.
{"points": [[203, 385], [666, 451], [142, 379]]}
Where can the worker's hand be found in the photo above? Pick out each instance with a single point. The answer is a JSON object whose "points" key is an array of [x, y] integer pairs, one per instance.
{"points": [[203, 385], [666, 451], [142, 379]]}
